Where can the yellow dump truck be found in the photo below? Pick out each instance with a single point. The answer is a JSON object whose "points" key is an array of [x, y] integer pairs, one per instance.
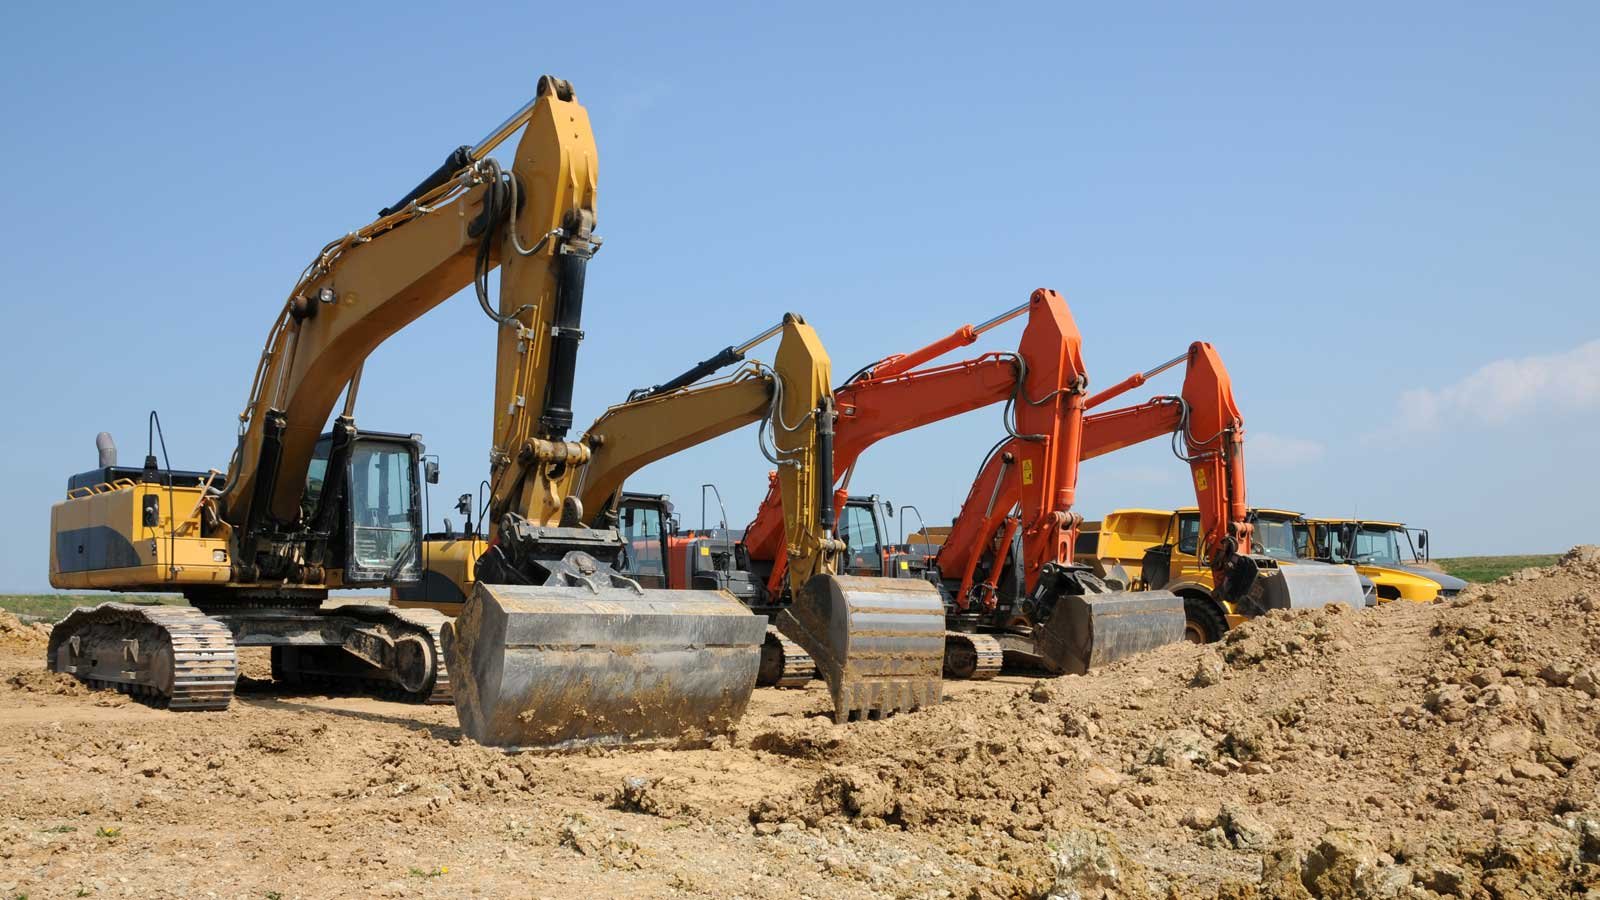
{"points": [[1118, 545], [1392, 556]]}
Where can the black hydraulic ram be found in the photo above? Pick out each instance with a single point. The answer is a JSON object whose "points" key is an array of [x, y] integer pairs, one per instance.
{"points": [[824, 415], [464, 156], [573, 254], [723, 358]]}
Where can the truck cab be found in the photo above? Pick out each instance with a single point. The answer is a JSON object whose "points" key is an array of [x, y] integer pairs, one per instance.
{"points": [[1393, 556]]}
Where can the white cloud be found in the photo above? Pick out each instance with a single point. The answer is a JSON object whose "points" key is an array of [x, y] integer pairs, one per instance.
{"points": [[1270, 449], [1506, 389]]}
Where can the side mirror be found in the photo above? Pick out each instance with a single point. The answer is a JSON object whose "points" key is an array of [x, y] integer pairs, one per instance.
{"points": [[888, 508], [430, 471], [1422, 540], [464, 504]]}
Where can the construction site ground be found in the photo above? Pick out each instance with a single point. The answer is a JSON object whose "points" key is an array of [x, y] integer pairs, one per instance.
{"points": [[1408, 751]]}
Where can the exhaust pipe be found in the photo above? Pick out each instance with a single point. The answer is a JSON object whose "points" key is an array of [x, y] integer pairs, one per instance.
{"points": [[107, 449]]}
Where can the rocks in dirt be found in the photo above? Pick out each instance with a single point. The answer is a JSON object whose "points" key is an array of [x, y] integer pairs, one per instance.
{"points": [[1588, 681], [1230, 826], [1244, 829], [589, 839], [1247, 739], [851, 793], [16, 634], [649, 796], [43, 682], [1531, 860], [1558, 673], [1447, 701], [1088, 864], [1180, 749], [1562, 751], [1208, 669], [1526, 768], [286, 738], [1507, 741], [1344, 864]]}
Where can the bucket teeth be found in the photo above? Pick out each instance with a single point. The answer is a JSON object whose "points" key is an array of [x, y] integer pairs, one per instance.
{"points": [[878, 642], [562, 667]]}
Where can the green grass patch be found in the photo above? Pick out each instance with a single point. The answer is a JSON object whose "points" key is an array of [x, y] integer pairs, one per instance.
{"points": [[54, 607], [1488, 568]]}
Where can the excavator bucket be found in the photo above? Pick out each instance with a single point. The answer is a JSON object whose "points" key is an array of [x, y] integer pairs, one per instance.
{"points": [[878, 642], [567, 666], [1302, 585], [1090, 626]]}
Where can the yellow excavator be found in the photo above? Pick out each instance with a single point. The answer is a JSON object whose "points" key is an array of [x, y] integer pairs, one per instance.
{"points": [[555, 647], [878, 642]]}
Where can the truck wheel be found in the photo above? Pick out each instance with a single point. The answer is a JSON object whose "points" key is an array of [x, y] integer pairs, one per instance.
{"points": [[1203, 622]]}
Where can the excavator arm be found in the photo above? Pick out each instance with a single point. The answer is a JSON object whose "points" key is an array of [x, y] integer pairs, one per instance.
{"points": [[1207, 425], [1208, 434], [449, 232]]}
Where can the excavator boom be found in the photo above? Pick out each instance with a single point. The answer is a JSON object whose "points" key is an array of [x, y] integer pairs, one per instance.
{"points": [[1027, 487], [1209, 436]]}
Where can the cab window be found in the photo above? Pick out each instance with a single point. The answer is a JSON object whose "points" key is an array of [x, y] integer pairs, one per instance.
{"points": [[1189, 533], [1281, 538], [859, 532], [1376, 545], [383, 493], [642, 546]]}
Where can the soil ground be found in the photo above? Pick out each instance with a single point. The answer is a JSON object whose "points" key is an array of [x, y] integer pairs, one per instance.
{"points": [[1407, 751]]}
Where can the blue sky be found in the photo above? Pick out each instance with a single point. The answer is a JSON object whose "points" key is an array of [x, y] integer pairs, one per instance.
{"points": [[1383, 216]]}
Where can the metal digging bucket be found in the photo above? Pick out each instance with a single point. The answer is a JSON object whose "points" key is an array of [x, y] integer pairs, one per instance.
{"points": [[561, 667], [1089, 626], [1303, 585], [879, 642]]}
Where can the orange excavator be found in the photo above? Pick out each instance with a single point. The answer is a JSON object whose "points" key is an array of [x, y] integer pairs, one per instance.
{"points": [[1074, 621], [982, 581]]}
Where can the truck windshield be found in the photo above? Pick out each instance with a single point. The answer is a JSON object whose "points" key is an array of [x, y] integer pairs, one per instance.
{"points": [[1381, 545], [1281, 537]]}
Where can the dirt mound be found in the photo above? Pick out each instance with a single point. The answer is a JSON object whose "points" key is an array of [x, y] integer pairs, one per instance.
{"points": [[1434, 747], [1410, 751], [41, 681], [21, 636]]}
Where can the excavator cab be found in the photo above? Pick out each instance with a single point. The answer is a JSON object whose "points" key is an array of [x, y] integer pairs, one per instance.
{"points": [[377, 530]]}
